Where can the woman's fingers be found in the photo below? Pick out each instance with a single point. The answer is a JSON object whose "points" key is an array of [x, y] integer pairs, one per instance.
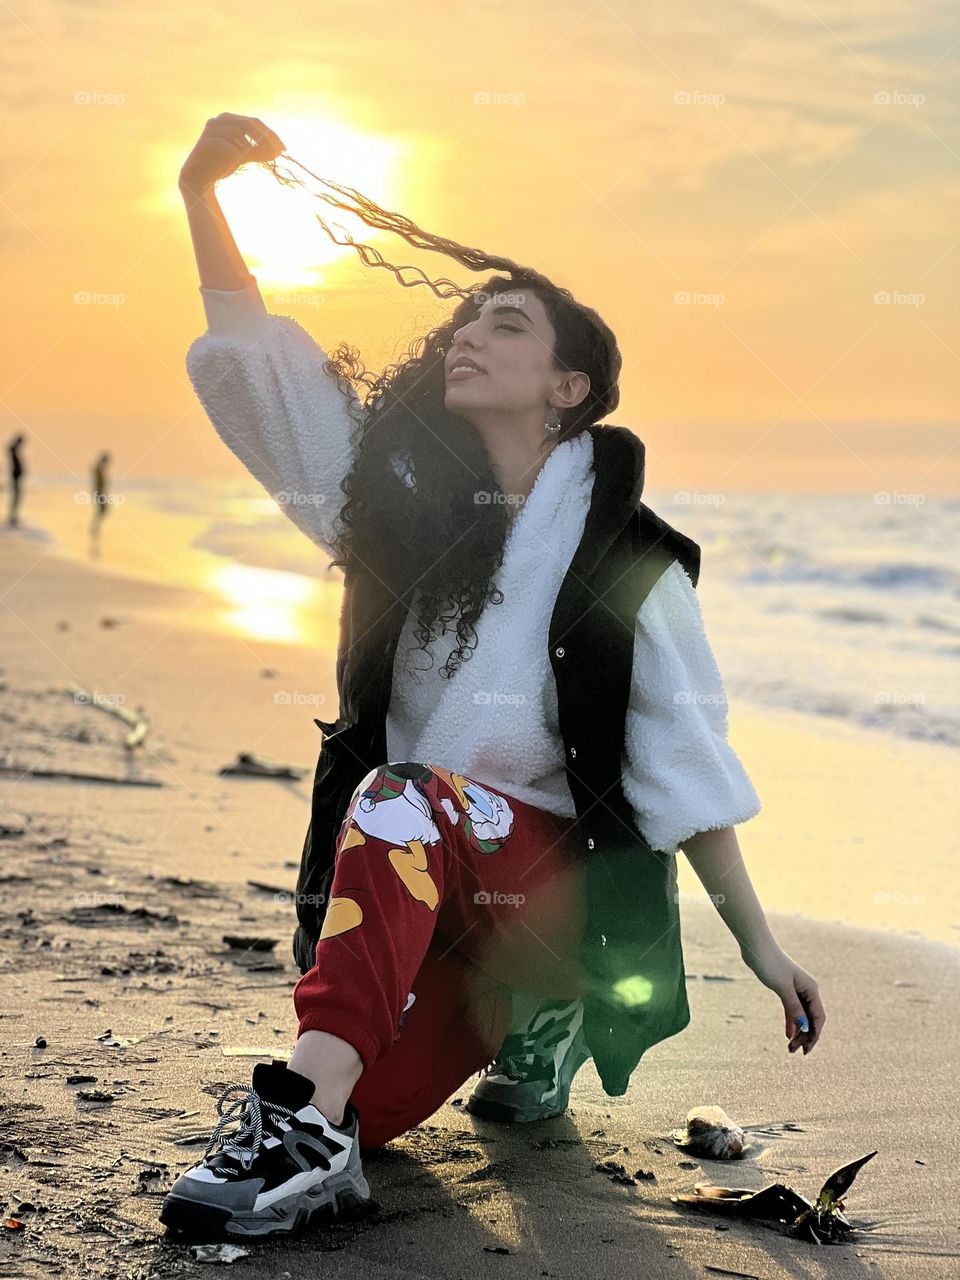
{"points": [[267, 140], [254, 133], [811, 1010], [228, 141], [234, 130], [817, 1017]]}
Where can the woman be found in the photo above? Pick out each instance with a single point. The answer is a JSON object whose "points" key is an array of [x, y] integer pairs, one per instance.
{"points": [[448, 915]]}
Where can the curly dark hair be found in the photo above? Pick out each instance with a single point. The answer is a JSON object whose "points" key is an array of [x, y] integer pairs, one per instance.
{"points": [[424, 510]]}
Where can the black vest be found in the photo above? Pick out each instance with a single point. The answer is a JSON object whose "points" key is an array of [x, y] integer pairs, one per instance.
{"points": [[631, 946]]}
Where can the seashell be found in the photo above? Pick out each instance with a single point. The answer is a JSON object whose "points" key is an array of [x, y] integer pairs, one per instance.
{"points": [[710, 1132]]}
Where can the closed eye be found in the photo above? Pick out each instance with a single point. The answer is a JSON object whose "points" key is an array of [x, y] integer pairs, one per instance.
{"points": [[512, 327]]}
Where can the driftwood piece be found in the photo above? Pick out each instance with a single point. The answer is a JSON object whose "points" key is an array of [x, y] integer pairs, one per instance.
{"points": [[138, 725], [241, 942], [781, 1207], [72, 775], [250, 764]]}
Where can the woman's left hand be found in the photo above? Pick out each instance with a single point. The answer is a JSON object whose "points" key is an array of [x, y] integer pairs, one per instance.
{"points": [[799, 992]]}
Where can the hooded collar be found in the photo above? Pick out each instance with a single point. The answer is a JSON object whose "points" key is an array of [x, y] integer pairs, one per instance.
{"points": [[619, 463]]}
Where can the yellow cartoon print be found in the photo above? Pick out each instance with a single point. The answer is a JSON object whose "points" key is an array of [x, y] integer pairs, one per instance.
{"points": [[391, 805]]}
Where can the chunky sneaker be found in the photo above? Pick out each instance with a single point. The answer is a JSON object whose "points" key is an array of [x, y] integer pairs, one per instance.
{"points": [[530, 1077], [284, 1166]]}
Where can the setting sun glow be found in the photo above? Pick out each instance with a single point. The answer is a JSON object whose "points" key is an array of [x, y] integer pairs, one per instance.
{"points": [[275, 226]]}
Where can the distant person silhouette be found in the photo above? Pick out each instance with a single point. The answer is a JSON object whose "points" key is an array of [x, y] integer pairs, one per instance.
{"points": [[101, 495], [17, 472]]}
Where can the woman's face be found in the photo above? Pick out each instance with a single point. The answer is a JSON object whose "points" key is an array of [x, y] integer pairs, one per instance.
{"points": [[510, 341]]}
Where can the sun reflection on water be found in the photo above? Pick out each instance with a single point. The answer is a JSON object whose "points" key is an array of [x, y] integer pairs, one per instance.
{"points": [[267, 604]]}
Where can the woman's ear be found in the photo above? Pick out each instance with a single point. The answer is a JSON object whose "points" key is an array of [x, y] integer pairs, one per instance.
{"points": [[572, 389]]}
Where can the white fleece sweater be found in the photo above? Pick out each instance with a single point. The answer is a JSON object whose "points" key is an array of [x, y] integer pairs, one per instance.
{"points": [[260, 379]]}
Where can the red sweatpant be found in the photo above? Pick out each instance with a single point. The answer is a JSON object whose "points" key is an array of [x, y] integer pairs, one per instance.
{"points": [[447, 896]]}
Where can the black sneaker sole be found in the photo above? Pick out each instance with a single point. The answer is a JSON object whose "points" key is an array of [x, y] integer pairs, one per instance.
{"points": [[503, 1114], [330, 1202]]}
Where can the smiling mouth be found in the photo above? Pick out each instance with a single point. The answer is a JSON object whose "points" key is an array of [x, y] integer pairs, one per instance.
{"points": [[457, 374]]}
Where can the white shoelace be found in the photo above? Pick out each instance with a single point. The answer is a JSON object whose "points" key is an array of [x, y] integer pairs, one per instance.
{"points": [[246, 1110]]}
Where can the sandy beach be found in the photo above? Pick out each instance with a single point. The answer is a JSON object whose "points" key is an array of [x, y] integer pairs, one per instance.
{"points": [[116, 899]]}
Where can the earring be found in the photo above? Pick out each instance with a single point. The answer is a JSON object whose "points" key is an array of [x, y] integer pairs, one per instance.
{"points": [[553, 423]]}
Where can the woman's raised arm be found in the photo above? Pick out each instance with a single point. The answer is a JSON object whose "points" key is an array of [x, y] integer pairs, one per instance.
{"points": [[261, 377], [227, 141]]}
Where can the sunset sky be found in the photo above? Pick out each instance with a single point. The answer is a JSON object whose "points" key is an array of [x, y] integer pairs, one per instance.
{"points": [[786, 166]]}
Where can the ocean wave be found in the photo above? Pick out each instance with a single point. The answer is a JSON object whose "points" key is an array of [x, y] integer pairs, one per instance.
{"points": [[849, 614], [264, 544], [29, 533], [905, 718], [882, 576], [936, 624]]}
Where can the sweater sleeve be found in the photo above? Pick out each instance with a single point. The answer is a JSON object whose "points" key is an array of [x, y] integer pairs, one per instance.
{"points": [[680, 774], [261, 381]]}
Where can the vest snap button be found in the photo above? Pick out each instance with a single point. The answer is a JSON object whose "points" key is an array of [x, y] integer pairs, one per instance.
{"points": [[560, 651], [573, 752], [590, 843]]}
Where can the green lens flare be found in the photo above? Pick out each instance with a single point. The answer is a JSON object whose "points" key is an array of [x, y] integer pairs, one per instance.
{"points": [[633, 990]]}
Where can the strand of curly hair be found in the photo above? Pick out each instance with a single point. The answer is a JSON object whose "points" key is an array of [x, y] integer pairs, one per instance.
{"points": [[385, 220]]}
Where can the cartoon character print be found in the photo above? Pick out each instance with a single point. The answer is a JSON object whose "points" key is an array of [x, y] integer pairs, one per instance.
{"points": [[391, 804], [487, 817]]}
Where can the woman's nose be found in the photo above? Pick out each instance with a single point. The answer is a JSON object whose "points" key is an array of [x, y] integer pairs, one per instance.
{"points": [[463, 334]]}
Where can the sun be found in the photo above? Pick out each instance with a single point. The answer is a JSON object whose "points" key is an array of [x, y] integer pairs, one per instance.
{"points": [[274, 225]]}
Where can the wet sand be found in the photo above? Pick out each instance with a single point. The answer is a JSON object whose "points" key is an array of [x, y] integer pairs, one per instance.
{"points": [[116, 899]]}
